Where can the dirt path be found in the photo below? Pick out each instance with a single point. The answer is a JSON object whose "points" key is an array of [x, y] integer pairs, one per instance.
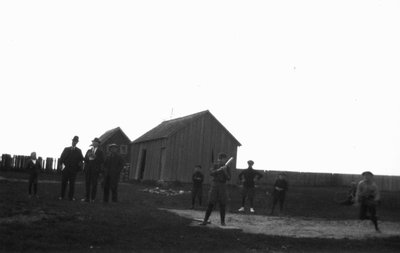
{"points": [[296, 226]]}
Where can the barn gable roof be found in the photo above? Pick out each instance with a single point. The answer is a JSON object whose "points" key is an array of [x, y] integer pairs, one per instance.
{"points": [[107, 135], [170, 127]]}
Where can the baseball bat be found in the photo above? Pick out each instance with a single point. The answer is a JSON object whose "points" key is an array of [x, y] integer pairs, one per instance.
{"points": [[229, 161]]}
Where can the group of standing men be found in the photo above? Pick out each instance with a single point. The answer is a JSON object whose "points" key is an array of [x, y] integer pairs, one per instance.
{"points": [[94, 163]]}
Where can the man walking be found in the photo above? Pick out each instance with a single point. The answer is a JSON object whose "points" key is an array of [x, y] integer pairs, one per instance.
{"points": [[71, 162], [247, 177], [113, 165], [94, 159]]}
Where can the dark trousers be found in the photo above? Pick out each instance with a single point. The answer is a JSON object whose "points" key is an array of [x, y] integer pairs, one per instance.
{"points": [[248, 192], [33, 182], [278, 197], [222, 212], [68, 177], [218, 194], [91, 178], [368, 207], [110, 183], [197, 191]]}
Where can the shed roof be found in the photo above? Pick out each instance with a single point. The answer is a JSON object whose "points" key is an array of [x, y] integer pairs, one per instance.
{"points": [[107, 135], [169, 127]]}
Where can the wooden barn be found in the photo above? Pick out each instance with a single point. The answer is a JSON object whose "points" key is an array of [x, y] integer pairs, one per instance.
{"points": [[117, 136], [170, 151]]}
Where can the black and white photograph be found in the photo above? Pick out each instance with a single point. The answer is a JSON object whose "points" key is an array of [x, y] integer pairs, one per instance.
{"points": [[200, 126]]}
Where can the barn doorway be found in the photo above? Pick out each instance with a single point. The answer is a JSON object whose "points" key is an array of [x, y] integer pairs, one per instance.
{"points": [[142, 164], [162, 163]]}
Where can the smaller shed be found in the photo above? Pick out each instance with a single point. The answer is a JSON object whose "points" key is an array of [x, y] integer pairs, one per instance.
{"points": [[117, 136]]}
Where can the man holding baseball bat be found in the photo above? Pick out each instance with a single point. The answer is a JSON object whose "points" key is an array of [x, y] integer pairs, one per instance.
{"points": [[220, 174]]}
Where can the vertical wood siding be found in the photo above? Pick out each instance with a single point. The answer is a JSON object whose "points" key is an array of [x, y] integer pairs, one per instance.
{"points": [[190, 146]]}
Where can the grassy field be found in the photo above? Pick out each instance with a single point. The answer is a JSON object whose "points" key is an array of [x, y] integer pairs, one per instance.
{"points": [[136, 223]]}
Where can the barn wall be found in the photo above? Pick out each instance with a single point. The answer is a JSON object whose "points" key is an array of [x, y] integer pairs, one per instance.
{"points": [[184, 150], [134, 153], [153, 155], [199, 143], [217, 140]]}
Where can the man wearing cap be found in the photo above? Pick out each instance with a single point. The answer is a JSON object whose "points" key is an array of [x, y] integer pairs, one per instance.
{"points": [[113, 165], [368, 197], [71, 162], [218, 192], [247, 176], [94, 159]]}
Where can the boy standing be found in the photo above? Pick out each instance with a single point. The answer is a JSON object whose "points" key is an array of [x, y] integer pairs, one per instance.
{"points": [[247, 177], [33, 167], [197, 190], [220, 174], [279, 193], [368, 197]]}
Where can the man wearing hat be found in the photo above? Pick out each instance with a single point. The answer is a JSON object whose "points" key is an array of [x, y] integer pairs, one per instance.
{"points": [[113, 165], [220, 173], [247, 176], [94, 159], [71, 162], [368, 197]]}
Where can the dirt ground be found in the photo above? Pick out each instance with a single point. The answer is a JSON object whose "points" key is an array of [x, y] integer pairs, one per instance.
{"points": [[150, 218], [295, 226]]}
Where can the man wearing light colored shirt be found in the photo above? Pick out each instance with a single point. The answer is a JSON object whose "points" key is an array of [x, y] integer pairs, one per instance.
{"points": [[94, 159], [368, 197]]}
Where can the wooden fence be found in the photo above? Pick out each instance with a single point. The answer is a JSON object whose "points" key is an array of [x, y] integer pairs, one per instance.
{"points": [[18, 162], [51, 165], [385, 183]]}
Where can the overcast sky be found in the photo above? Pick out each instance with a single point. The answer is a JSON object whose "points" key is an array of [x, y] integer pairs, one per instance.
{"points": [[303, 85]]}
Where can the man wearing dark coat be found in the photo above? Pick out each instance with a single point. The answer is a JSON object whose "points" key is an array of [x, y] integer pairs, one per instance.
{"points": [[33, 167], [113, 165], [94, 159], [71, 162]]}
